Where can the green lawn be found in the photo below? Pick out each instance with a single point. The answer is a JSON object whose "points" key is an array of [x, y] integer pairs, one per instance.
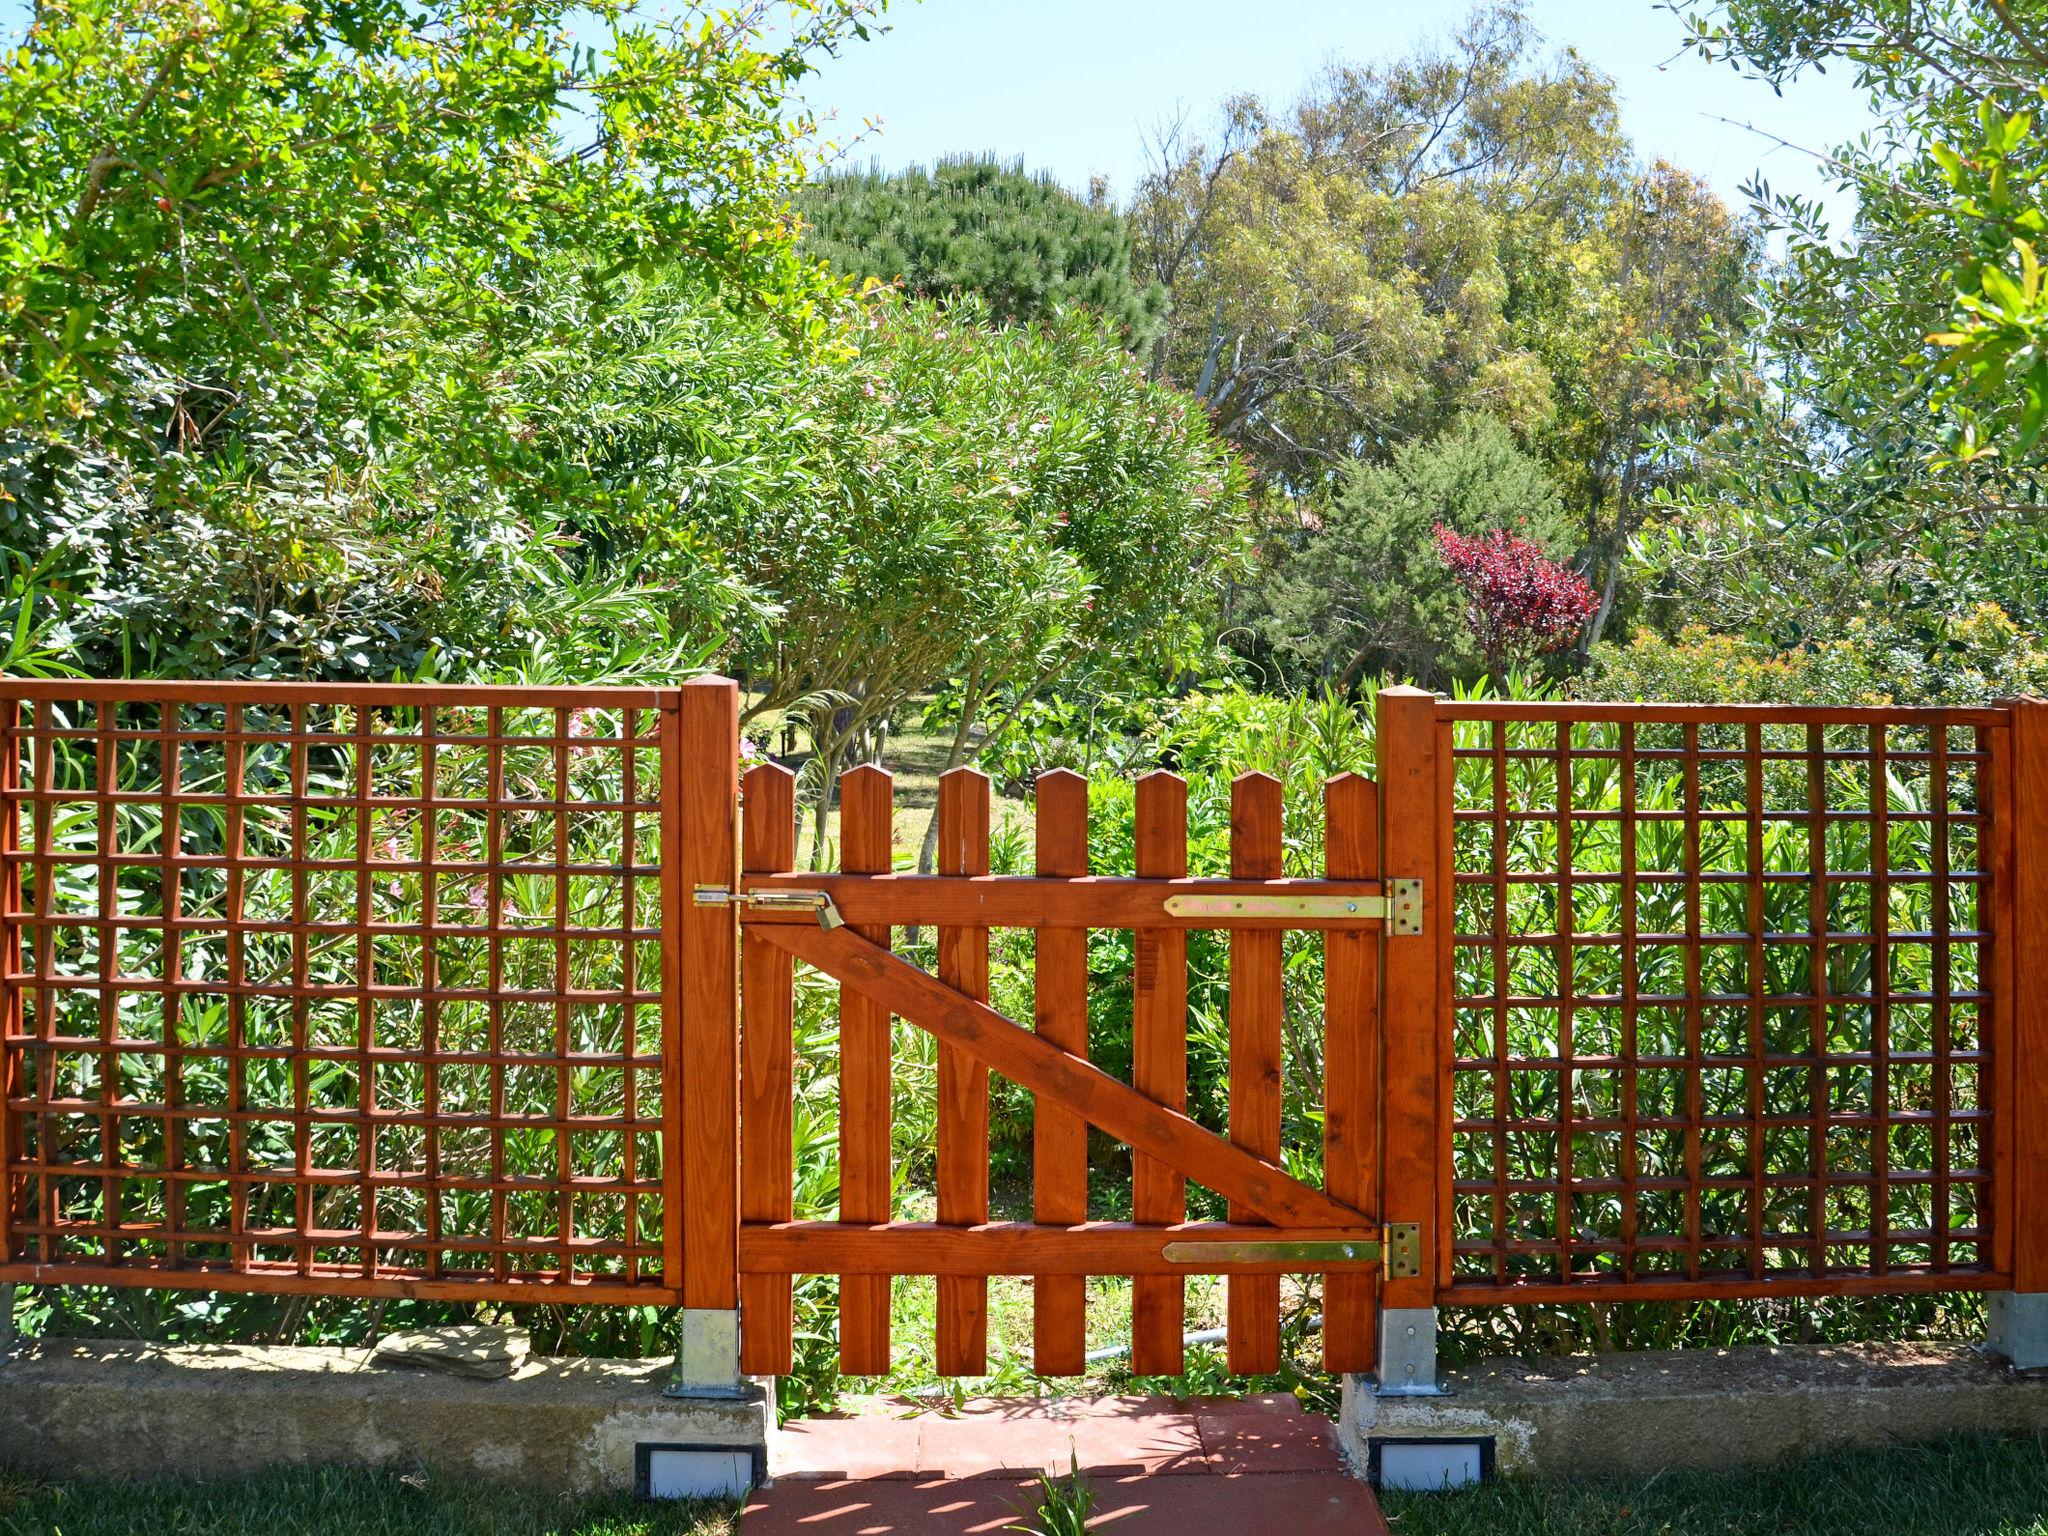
{"points": [[1962, 1487], [335, 1502]]}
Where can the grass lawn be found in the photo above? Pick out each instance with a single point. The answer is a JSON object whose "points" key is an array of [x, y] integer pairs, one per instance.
{"points": [[1961, 1487], [335, 1501]]}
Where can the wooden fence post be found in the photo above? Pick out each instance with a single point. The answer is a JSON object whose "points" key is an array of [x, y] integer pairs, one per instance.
{"points": [[700, 951], [2018, 1322], [1415, 840]]}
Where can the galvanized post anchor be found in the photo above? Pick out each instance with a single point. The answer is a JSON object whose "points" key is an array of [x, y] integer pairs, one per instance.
{"points": [[1407, 1354], [2016, 1328], [707, 1355]]}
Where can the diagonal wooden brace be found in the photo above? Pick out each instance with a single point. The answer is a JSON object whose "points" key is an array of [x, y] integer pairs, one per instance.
{"points": [[1072, 1081]]}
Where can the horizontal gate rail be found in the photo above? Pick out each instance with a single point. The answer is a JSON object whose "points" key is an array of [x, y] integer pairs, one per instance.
{"points": [[1031, 1248], [1077, 901], [1724, 1016], [335, 989]]}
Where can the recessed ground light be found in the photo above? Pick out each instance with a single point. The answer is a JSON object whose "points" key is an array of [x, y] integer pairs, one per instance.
{"points": [[1429, 1464], [691, 1471]]}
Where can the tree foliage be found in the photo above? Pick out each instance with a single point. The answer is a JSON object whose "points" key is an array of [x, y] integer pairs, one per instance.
{"points": [[1018, 241], [1364, 590], [266, 265], [1465, 230], [1875, 466]]}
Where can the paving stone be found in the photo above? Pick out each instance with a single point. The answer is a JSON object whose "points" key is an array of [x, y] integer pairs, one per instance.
{"points": [[1270, 1441], [870, 1445], [1263, 1504]]}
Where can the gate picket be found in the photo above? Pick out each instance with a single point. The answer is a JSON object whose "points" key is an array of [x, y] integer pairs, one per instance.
{"points": [[866, 796], [1059, 1139], [767, 998], [1159, 1069], [963, 1164], [1255, 1008]]}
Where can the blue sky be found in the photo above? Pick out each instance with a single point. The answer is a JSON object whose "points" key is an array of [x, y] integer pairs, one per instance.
{"points": [[1073, 85]]}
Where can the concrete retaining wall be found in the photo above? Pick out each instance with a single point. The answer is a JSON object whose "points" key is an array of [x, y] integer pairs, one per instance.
{"points": [[108, 1410], [1637, 1413]]}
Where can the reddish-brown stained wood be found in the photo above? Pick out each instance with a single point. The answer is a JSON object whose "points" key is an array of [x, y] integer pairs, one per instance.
{"points": [[2025, 1207], [1737, 1285], [767, 975], [704, 784], [1715, 714], [963, 1081], [866, 797], [1159, 1068], [1351, 850], [1411, 982], [11, 1012], [1038, 901], [1082, 1088], [1059, 1138], [1998, 1020], [1012, 1248], [1253, 1307]]}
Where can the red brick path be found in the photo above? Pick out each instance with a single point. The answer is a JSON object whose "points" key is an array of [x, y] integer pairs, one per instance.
{"points": [[1256, 1467]]}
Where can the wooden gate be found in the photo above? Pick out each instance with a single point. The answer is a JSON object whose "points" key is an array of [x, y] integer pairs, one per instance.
{"points": [[842, 924]]}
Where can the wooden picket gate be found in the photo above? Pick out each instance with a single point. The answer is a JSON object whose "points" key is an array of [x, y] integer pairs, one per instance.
{"points": [[841, 924]]}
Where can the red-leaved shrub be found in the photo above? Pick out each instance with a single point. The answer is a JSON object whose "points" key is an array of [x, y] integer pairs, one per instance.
{"points": [[1519, 602]]}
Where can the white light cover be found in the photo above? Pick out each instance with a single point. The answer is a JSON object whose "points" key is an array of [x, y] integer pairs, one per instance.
{"points": [[698, 1474], [1429, 1466]]}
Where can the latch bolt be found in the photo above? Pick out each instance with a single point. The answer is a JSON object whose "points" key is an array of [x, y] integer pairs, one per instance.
{"points": [[819, 902]]}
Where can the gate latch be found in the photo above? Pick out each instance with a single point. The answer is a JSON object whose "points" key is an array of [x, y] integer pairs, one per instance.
{"points": [[819, 902]]}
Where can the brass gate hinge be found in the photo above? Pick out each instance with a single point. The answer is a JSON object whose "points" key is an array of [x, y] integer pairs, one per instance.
{"points": [[1399, 1249], [1400, 908], [819, 902], [1404, 907], [1404, 1250]]}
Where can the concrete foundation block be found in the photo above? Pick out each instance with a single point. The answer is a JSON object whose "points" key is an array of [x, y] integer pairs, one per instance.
{"points": [[71, 1408], [2016, 1329], [1637, 1413]]}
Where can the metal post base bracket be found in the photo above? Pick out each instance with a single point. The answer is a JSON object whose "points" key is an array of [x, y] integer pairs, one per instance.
{"points": [[1407, 1356], [2016, 1329], [707, 1355]]}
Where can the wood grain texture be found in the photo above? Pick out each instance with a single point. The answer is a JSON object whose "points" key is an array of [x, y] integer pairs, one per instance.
{"points": [[1411, 982], [767, 1073], [2027, 936], [1253, 1302], [1012, 1248], [866, 796], [1351, 1064], [963, 1156], [1159, 1068], [704, 784], [1044, 901], [1059, 1138], [1080, 1087]]}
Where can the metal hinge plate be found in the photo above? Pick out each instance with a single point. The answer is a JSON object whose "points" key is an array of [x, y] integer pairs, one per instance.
{"points": [[1363, 908], [1310, 1256], [1404, 907], [1404, 1250]]}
